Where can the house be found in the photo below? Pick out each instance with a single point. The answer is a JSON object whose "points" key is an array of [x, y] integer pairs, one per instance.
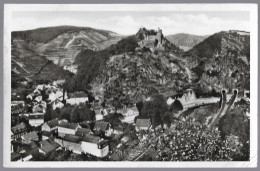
{"points": [[46, 135], [40, 87], [36, 120], [38, 109], [43, 104], [83, 131], [77, 98], [67, 128], [95, 146], [56, 94], [47, 146], [15, 103], [103, 127], [38, 99], [58, 82], [70, 142], [30, 96], [51, 125], [17, 109], [59, 95], [129, 114], [30, 137], [118, 130], [36, 92], [57, 104], [18, 130], [142, 124]]}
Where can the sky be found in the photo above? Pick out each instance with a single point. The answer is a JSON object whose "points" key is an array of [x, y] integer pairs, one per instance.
{"points": [[129, 22]]}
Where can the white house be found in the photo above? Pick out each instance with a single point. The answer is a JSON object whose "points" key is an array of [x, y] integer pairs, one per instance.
{"points": [[40, 87], [51, 125], [103, 127], [36, 120], [38, 99], [57, 95], [142, 124], [57, 104], [95, 146], [77, 98], [67, 128]]}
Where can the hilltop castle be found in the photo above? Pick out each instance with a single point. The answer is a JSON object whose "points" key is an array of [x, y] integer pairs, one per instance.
{"points": [[152, 39]]}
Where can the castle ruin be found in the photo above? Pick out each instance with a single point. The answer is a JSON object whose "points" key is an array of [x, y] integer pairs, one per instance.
{"points": [[153, 41]]}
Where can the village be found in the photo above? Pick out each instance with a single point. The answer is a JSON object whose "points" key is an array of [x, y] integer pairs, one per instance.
{"points": [[109, 134]]}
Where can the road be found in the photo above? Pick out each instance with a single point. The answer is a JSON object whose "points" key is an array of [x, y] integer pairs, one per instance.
{"points": [[225, 108]]}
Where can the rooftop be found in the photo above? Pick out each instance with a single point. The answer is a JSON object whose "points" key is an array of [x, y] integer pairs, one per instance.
{"points": [[101, 125], [77, 94], [91, 139], [143, 123], [53, 123], [18, 128]]}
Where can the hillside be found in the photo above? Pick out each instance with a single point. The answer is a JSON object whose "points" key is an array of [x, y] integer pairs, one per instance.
{"points": [[221, 61], [61, 44], [185, 41], [33, 49], [133, 69]]}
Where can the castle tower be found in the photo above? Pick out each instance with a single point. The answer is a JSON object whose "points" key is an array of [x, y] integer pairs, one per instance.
{"points": [[159, 36]]}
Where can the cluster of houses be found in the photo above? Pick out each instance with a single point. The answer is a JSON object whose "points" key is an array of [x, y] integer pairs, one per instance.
{"points": [[62, 135], [56, 134], [43, 95]]}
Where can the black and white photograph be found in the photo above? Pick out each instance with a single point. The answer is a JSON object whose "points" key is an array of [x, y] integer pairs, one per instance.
{"points": [[130, 85]]}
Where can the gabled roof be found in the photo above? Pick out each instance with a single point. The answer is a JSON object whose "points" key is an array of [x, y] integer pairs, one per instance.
{"points": [[42, 143], [82, 132], [31, 117], [72, 138], [73, 125], [68, 125], [85, 124], [53, 123], [77, 95], [46, 148], [54, 144], [30, 136], [143, 123], [91, 139], [46, 133], [19, 128], [101, 125], [63, 124]]}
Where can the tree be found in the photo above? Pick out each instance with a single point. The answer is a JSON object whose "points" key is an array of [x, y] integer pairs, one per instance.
{"points": [[114, 119], [139, 106], [48, 114], [155, 110], [74, 115]]}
